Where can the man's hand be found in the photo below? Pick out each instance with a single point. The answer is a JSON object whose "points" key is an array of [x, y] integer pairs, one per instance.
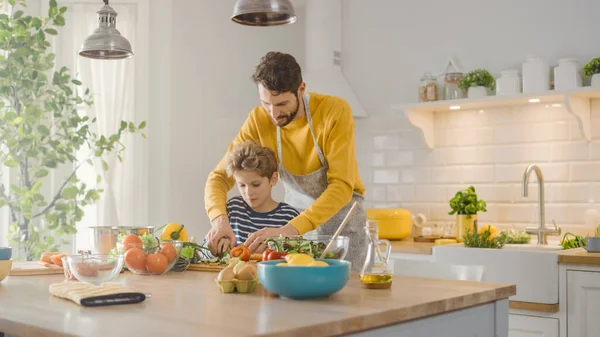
{"points": [[256, 241], [221, 237]]}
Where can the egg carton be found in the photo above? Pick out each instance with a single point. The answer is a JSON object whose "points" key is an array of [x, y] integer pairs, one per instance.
{"points": [[235, 285]]}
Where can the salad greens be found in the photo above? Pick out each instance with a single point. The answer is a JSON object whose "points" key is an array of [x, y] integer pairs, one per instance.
{"points": [[301, 245]]}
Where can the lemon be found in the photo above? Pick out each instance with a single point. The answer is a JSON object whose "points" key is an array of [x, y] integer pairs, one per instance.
{"points": [[299, 259], [493, 231], [282, 264], [318, 264]]}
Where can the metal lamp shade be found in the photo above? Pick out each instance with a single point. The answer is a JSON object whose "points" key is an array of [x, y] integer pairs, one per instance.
{"points": [[263, 12], [106, 42]]}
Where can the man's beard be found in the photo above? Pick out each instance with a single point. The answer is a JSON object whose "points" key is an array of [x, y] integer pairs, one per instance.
{"points": [[287, 119]]}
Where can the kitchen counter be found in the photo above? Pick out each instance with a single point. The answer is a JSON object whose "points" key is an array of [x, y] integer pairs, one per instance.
{"points": [[578, 256], [408, 246], [190, 303]]}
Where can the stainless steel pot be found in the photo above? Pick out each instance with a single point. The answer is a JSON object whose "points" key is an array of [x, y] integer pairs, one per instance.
{"points": [[104, 238]]}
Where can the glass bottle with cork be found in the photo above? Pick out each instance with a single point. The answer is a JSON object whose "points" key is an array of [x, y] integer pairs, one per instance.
{"points": [[376, 272]]}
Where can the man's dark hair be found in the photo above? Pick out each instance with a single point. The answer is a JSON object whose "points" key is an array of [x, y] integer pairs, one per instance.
{"points": [[278, 72]]}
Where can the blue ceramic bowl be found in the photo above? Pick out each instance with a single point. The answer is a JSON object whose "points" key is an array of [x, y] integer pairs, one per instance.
{"points": [[5, 253], [298, 282]]}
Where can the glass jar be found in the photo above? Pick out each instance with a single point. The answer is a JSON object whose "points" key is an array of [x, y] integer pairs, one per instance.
{"points": [[451, 89], [376, 272], [428, 89]]}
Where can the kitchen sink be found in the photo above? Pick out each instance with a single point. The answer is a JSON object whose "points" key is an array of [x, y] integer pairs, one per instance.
{"points": [[533, 268], [533, 246]]}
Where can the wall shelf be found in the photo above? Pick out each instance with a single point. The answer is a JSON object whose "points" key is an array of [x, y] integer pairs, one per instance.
{"points": [[577, 102]]}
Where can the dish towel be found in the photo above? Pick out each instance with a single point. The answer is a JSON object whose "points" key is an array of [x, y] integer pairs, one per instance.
{"points": [[87, 294]]}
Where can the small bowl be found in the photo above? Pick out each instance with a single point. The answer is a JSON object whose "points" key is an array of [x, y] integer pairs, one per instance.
{"points": [[138, 265], [95, 268], [5, 267], [5, 253], [338, 250], [302, 282]]}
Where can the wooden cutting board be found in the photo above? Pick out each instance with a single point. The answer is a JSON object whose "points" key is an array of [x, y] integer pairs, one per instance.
{"points": [[205, 267], [28, 268]]}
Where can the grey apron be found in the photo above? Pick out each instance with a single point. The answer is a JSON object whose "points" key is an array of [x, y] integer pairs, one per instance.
{"points": [[302, 190]]}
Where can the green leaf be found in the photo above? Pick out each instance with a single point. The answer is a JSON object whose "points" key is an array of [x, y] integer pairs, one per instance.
{"points": [[98, 179], [36, 23], [76, 82], [18, 14], [142, 125], [104, 165], [43, 130], [41, 173], [11, 163], [51, 31], [69, 192], [123, 125], [36, 187]]}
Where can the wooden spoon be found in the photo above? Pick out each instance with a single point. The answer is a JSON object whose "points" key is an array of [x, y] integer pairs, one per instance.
{"points": [[339, 230]]}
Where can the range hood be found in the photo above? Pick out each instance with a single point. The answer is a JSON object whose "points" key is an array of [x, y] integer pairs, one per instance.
{"points": [[323, 70]]}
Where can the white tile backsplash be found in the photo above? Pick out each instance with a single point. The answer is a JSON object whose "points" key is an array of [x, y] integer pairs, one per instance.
{"points": [[386, 176], [399, 158], [415, 175], [569, 151], [490, 149], [400, 193], [588, 171]]}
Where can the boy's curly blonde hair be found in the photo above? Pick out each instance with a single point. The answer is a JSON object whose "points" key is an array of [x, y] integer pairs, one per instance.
{"points": [[250, 156]]}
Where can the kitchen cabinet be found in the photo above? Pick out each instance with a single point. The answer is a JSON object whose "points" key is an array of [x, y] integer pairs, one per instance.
{"points": [[532, 326], [583, 303]]}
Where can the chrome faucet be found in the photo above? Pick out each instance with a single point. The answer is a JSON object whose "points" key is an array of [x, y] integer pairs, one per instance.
{"points": [[541, 230]]}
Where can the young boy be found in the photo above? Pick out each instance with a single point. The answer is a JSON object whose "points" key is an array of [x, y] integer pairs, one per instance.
{"points": [[254, 168]]}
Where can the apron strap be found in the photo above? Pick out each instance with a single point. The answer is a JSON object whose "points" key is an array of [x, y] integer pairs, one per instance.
{"points": [[305, 98]]}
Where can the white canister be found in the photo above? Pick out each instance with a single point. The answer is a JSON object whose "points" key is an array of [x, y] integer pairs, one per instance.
{"points": [[567, 75], [536, 75], [508, 83]]}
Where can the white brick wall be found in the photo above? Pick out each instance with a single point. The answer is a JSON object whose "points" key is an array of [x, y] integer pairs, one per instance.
{"points": [[488, 149]]}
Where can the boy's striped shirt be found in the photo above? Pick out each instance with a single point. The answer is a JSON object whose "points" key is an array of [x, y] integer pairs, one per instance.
{"points": [[245, 221]]}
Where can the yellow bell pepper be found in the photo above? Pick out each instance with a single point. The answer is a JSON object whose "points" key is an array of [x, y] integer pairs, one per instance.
{"points": [[174, 231]]}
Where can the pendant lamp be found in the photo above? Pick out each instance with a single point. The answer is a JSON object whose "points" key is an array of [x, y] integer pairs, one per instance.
{"points": [[263, 12], [106, 42]]}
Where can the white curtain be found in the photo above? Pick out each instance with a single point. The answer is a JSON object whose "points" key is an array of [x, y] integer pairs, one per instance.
{"points": [[112, 85]]}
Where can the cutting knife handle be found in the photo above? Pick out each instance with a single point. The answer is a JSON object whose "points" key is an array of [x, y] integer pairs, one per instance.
{"points": [[114, 299]]}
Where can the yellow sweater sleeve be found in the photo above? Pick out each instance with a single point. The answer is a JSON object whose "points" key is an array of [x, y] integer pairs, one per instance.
{"points": [[340, 154], [218, 183]]}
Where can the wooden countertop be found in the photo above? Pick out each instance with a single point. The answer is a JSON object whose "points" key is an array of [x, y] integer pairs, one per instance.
{"points": [[578, 256], [190, 303], [408, 246]]}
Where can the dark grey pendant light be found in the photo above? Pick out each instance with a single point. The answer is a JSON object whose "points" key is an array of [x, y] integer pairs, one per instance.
{"points": [[106, 42], [263, 12]]}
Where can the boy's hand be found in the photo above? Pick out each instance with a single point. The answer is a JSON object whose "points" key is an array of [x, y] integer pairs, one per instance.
{"points": [[256, 241], [221, 229]]}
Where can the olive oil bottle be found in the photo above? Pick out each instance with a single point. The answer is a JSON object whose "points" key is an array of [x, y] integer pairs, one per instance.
{"points": [[376, 272]]}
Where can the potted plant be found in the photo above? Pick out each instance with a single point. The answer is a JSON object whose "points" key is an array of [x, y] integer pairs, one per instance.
{"points": [[593, 69], [466, 205], [41, 129], [477, 82]]}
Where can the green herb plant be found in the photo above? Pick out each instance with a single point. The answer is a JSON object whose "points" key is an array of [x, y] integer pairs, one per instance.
{"points": [[476, 78], [575, 242], [41, 129], [484, 239], [592, 67], [465, 202]]}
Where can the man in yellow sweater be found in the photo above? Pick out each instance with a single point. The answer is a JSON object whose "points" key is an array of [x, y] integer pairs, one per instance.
{"points": [[313, 136]]}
